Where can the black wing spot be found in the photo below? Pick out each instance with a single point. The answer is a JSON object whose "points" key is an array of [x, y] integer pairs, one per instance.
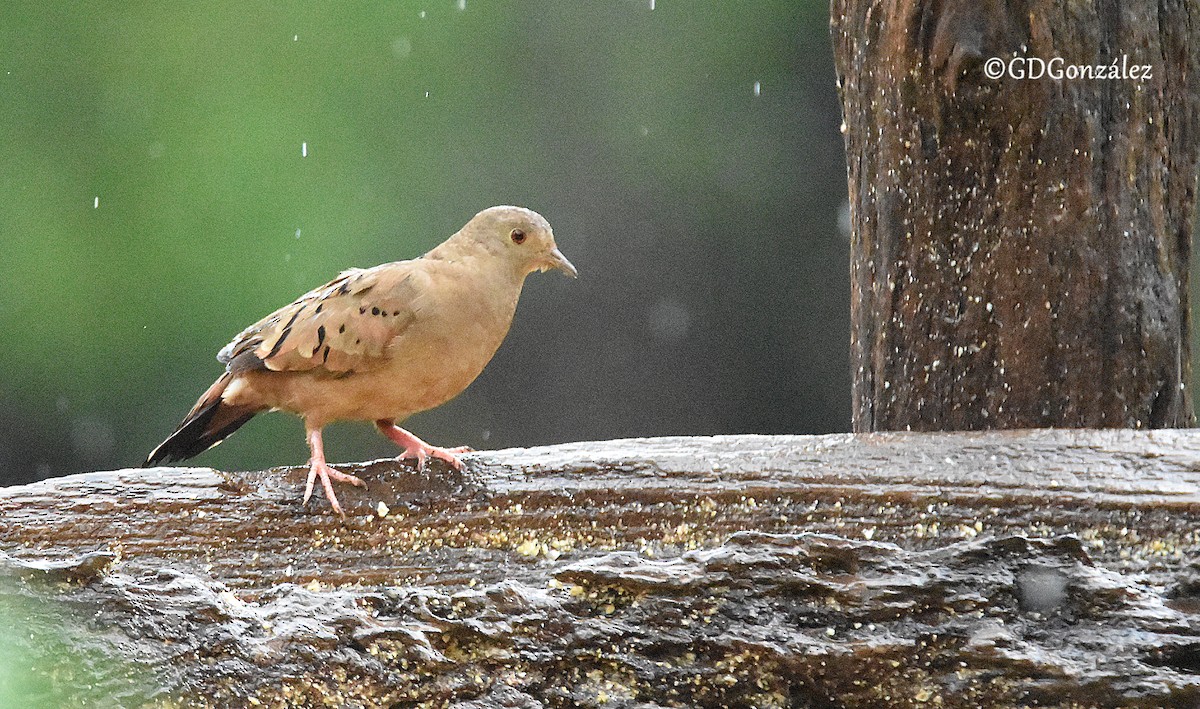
{"points": [[325, 357], [320, 335], [287, 330], [375, 311], [342, 329]]}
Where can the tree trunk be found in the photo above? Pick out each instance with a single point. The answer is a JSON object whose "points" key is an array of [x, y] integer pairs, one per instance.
{"points": [[967, 570], [1019, 247]]}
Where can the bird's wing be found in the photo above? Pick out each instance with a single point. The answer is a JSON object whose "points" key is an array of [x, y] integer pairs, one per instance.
{"points": [[344, 326]]}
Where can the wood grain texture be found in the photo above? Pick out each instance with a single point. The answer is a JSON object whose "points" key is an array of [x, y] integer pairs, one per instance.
{"points": [[1050, 567], [1019, 247]]}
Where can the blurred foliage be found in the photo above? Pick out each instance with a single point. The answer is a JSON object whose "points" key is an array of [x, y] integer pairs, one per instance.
{"points": [[48, 658], [173, 172]]}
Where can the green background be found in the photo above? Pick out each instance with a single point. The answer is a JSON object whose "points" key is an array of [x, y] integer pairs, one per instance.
{"points": [[703, 216]]}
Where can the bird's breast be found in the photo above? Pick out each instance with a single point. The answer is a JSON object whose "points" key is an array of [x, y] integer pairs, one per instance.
{"points": [[443, 355]]}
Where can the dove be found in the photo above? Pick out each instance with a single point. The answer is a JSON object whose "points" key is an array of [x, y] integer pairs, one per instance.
{"points": [[377, 344]]}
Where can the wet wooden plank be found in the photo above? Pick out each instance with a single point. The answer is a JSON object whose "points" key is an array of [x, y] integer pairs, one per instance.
{"points": [[970, 569]]}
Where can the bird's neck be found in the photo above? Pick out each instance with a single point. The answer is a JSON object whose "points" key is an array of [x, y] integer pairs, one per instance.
{"points": [[458, 249]]}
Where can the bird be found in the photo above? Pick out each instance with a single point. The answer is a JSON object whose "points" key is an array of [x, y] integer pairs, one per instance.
{"points": [[377, 344]]}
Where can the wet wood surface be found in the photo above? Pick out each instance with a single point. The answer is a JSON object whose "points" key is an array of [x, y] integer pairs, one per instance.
{"points": [[1040, 568], [1019, 247]]}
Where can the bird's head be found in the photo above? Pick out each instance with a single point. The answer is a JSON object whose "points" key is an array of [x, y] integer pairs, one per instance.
{"points": [[519, 236]]}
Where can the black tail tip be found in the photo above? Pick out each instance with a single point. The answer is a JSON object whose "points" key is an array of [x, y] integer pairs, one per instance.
{"points": [[157, 458], [199, 433]]}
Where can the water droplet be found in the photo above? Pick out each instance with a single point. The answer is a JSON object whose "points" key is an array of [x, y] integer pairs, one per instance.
{"points": [[758, 88], [462, 5], [669, 320], [421, 14], [92, 438], [401, 47], [1041, 589], [651, 4], [96, 203], [843, 219], [297, 233], [295, 38], [304, 150]]}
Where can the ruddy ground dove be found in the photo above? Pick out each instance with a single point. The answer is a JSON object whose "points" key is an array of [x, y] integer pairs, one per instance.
{"points": [[377, 344]]}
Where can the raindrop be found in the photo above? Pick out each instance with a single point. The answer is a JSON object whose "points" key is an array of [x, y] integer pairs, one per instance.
{"points": [[401, 47], [96, 203], [668, 320], [1041, 589], [462, 5], [651, 4], [295, 38], [421, 14], [758, 88], [843, 219], [92, 438], [304, 150], [297, 233]]}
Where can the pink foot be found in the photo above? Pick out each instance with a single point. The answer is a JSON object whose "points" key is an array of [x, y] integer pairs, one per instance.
{"points": [[416, 448], [319, 468], [327, 474]]}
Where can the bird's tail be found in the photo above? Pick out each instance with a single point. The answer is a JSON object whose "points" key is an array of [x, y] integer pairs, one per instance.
{"points": [[209, 422]]}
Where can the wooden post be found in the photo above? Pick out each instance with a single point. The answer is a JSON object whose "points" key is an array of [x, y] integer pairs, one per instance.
{"points": [[1020, 246]]}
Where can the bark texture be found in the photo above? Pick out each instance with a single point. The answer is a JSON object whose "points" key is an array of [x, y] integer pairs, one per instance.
{"points": [[997, 569], [1020, 247]]}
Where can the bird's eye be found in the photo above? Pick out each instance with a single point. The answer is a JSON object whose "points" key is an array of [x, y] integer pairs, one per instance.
{"points": [[518, 236]]}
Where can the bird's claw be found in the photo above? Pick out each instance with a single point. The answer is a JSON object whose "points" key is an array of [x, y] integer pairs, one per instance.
{"points": [[416, 448], [423, 451], [328, 475]]}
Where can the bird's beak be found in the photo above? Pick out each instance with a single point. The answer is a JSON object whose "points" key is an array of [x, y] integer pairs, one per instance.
{"points": [[558, 261]]}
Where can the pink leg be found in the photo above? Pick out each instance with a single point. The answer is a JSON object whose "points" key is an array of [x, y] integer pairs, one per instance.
{"points": [[318, 467], [416, 448]]}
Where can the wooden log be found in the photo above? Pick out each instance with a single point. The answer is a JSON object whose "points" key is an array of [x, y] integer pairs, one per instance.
{"points": [[1042, 568], [1019, 246]]}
